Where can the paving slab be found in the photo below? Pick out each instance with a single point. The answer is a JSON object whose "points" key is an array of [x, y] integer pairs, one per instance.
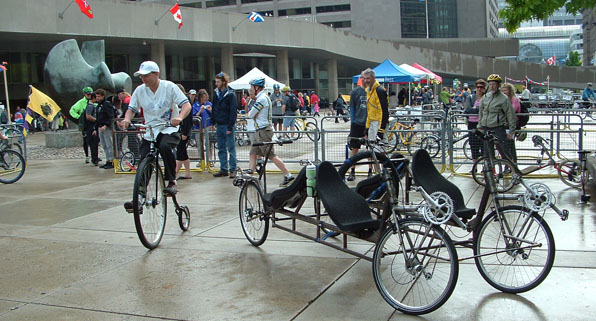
{"points": [[47, 312]]}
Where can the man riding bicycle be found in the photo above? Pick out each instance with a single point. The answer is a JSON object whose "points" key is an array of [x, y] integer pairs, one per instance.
{"points": [[588, 93], [160, 100]]}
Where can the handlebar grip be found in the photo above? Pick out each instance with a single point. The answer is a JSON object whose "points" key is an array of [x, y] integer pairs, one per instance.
{"points": [[285, 141], [258, 144]]}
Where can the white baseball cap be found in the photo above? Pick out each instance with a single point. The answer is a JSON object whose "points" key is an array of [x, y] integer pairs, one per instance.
{"points": [[192, 92], [146, 68]]}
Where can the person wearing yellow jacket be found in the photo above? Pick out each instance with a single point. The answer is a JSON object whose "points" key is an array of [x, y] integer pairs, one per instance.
{"points": [[377, 105], [76, 111]]}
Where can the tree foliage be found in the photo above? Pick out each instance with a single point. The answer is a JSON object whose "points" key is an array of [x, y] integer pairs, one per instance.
{"points": [[518, 11], [573, 59]]}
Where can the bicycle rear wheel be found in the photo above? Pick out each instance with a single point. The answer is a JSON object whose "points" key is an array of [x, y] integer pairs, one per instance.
{"points": [[519, 261], [127, 162], [254, 221], [416, 273], [467, 149], [149, 203], [431, 145], [571, 172], [12, 166], [312, 132]]}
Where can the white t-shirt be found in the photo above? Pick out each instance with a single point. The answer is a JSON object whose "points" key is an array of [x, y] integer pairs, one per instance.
{"points": [[261, 111], [159, 106]]}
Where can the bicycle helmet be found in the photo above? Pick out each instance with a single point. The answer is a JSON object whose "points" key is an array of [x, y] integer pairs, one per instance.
{"points": [[87, 90], [275, 86], [589, 84], [286, 88], [494, 77], [522, 136], [259, 82]]}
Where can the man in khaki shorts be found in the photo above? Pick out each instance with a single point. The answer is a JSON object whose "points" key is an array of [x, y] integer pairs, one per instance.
{"points": [[261, 114]]}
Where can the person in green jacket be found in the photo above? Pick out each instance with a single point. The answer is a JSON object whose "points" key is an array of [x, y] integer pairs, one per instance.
{"points": [[496, 114], [76, 111], [445, 97]]}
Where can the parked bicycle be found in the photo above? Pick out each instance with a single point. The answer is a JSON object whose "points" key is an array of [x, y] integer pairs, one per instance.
{"points": [[149, 201], [12, 166]]}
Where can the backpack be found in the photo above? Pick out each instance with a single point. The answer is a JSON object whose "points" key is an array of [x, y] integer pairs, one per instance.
{"points": [[522, 120], [294, 103]]}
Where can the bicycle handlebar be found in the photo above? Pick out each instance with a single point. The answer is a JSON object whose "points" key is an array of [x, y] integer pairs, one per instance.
{"points": [[164, 124], [280, 142]]}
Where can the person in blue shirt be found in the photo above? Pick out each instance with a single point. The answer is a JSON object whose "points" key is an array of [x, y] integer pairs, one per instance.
{"points": [[223, 114], [588, 93]]}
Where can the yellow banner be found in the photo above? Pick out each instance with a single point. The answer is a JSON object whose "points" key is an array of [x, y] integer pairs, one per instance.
{"points": [[42, 104], [29, 119]]}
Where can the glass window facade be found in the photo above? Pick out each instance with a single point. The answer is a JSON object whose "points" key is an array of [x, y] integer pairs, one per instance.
{"points": [[220, 3], [339, 24], [335, 8], [442, 18], [294, 12]]}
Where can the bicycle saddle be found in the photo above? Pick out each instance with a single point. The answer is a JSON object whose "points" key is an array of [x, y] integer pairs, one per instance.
{"points": [[348, 210], [427, 176], [289, 195]]}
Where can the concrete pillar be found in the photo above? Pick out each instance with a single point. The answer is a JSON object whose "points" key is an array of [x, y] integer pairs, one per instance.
{"points": [[210, 74], [317, 79], [227, 62], [283, 66], [332, 81], [158, 54]]}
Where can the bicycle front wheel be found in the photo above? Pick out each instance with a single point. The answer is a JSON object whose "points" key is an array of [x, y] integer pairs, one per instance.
{"points": [[514, 249], [254, 221], [12, 166], [502, 173], [431, 145], [149, 203], [311, 131], [127, 162], [417, 272], [570, 172]]}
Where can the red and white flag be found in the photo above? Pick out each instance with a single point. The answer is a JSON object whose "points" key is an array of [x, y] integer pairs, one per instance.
{"points": [[85, 8], [550, 61], [177, 16]]}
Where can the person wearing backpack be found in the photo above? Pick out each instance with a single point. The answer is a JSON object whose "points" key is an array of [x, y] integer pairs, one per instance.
{"points": [[289, 107], [339, 105]]}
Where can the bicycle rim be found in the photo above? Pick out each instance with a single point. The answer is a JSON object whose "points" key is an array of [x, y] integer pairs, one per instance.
{"points": [[523, 263], [12, 166], [418, 275], [570, 172], [251, 209], [149, 203]]}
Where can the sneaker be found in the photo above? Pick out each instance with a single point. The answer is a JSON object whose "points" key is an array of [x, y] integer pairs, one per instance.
{"points": [[369, 172], [286, 180], [108, 165], [171, 189], [247, 172], [220, 174], [232, 174], [351, 177], [129, 208], [95, 163], [86, 160]]}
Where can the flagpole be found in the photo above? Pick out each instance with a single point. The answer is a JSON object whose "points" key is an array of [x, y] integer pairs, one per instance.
{"points": [[426, 5], [236, 26], [157, 21], [61, 14], [7, 100]]}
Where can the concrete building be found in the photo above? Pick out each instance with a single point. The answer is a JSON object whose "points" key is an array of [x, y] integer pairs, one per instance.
{"points": [[306, 55], [589, 37]]}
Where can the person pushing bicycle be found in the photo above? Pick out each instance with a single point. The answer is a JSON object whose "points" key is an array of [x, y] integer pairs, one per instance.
{"points": [[160, 100]]}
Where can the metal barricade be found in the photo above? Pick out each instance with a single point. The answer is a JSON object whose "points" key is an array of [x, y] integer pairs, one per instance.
{"points": [[305, 134]]}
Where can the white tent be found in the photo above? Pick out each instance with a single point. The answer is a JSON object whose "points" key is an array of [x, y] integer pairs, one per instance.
{"points": [[417, 72], [242, 82]]}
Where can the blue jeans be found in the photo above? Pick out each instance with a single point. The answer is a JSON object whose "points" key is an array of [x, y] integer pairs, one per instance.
{"points": [[226, 144]]}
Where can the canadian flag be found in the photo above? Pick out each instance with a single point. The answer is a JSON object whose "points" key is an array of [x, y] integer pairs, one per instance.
{"points": [[550, 61], [177, 16]]}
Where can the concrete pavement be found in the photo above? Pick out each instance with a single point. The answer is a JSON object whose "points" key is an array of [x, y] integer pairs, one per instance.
{"points": [[70, 252]]}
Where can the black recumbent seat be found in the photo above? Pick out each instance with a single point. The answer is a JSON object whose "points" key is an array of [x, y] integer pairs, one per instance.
{"points": [[428, 177], [348, 210], [367, 186], [288, 196]]}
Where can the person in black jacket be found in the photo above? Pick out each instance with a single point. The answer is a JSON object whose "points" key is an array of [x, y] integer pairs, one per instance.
{"points": [[181, 152], [223, 115], [103, 125]]}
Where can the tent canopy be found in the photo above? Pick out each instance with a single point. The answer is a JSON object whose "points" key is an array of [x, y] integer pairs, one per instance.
{"points": [[437, 77], [242, 82], [425, 77], [389, 72]]}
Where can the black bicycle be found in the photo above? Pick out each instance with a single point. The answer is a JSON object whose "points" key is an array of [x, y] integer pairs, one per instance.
{"points": [[149, 199], [12, 166]]}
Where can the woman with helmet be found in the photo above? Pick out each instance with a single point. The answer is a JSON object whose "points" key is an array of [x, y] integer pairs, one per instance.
{"points": [[496, 113], [260, 113]]}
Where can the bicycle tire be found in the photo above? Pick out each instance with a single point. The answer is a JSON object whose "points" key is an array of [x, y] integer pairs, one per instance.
{"points": [[401, 269], [150, 222], [11, 163], [413, 144], [392, 140], [431, 145], [251, 209], [504, 180], [534, 272], [467, 149], [570, 173], [297, 133], [183, 217], [312, 132], [364, 156], [127, 161]]}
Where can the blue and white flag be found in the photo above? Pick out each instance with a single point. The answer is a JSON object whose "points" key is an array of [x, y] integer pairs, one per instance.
{"points": [[255, 17]]}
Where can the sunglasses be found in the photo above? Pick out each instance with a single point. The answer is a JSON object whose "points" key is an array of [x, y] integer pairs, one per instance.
{"points": [[480, 87]]}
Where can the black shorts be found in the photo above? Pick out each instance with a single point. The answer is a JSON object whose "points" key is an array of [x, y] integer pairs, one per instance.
{"points": [[277, 119], [357, 131]]}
